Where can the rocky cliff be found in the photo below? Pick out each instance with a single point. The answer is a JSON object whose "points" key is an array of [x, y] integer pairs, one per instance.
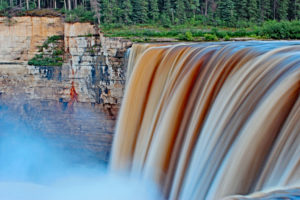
{"points": [[77, 102]]}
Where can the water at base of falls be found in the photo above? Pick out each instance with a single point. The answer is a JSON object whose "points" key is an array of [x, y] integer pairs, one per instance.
{"points": [[212, 120], [33, 167]]}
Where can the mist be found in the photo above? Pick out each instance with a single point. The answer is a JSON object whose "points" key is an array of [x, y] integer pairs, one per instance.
{"points": [[33, 168]]}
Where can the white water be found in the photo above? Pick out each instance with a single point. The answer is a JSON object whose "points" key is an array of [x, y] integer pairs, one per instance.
{"points": [[33, 169]]}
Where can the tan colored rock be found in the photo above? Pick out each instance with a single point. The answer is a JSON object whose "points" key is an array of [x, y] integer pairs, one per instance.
{"points": [[79, 29], [94, 68], [21, 36]]}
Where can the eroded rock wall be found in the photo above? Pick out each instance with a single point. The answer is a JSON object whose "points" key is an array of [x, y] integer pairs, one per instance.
{"points": [[102, 61], [77, 102], [21, 36]]}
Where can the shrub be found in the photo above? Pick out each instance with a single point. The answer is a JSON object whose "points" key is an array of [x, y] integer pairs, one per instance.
{"points": [[55, 59], [210, 37], [273, 29], [227, 38], [58, 52], [221, 34], [47, 61], [197, 33], [242, 24], [294, 29], [280, 30], [214, 31], [52, 39], [181, 37], [240, 33], [188, 36]]}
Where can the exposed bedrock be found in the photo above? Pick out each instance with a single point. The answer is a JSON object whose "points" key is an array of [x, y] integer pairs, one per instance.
{"points": [[77, 102]]}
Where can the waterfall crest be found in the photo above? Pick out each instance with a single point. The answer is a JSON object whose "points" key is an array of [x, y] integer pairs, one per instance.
{"points": [[211, 120]]}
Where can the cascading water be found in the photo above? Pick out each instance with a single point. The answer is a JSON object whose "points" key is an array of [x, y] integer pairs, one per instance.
{"points": [[211, 120]]}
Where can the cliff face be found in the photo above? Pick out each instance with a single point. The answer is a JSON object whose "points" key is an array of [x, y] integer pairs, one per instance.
{"points": [[21, 36], [78, 102]]}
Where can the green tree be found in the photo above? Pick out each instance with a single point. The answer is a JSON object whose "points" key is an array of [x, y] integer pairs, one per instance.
{"points": [[241, 10], [264, 7], [167, 10], [180, 11], [294, 10], [153, 10], [282, 10], [279, 9], [110, 12], [297, 9], [226, 11], [191, 8], [139, 11], [106, 12], [252, 10], [126, 11]]}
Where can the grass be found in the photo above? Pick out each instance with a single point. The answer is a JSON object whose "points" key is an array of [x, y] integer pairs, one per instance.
{"points": [[185, 33], [147, 32]]}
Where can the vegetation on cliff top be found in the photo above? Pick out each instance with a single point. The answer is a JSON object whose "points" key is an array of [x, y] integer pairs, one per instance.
{"points": [[196, 32], [189, 20], [79, 14]]}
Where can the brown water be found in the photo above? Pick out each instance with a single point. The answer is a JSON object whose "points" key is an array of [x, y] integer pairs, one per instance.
{"points": [[211, 120]]}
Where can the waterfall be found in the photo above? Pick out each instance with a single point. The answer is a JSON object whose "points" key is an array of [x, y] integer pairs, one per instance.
{"points": [[211, 120]]}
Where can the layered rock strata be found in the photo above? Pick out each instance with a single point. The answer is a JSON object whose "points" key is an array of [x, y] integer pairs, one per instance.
{"points": [[79, 100]]}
